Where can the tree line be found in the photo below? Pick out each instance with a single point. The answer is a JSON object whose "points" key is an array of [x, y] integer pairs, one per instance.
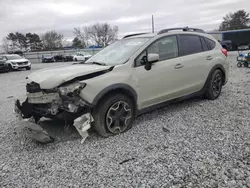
{"points": [[100, 34]]}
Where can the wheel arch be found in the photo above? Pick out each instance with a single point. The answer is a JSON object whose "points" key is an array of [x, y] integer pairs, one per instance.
{"points": [[117, 88], [221, 68]]}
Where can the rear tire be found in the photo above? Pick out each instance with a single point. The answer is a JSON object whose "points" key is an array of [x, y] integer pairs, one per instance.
{"points": [[113, 115], [214, 86]]}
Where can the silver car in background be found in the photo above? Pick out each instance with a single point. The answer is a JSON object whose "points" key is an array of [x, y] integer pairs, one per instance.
{"points": [[15, 61]]}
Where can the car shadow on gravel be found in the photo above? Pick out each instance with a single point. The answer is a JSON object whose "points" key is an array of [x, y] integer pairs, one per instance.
{"points": [[59, 131]]}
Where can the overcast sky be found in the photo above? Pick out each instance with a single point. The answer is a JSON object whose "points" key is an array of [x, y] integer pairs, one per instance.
{"points": [[130, 16]]}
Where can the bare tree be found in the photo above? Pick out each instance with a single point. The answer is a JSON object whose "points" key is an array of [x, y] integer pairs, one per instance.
{"points": [[103, 34], [52, 40], [6, 45], [82, 35]]}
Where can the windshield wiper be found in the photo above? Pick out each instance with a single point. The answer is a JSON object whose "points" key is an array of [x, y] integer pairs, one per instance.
{"points": [[97, 63]]}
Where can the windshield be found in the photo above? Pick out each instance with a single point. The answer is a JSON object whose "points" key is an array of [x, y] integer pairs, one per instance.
{"points": [[13, 57], [118, 52]]}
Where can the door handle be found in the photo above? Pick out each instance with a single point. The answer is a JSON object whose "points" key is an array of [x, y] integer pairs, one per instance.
{"points": [[209, 57], [178, 66]]}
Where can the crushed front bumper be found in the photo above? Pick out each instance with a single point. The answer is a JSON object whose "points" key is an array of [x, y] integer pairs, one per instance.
{"points": [[30, 123]]}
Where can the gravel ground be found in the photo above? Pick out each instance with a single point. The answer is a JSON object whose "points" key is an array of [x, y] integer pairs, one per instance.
{"points": [[196, 143]]}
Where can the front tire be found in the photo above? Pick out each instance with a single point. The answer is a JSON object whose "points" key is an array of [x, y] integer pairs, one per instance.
{"points": [[28, 68], [10, 67], [239, 64], [215, 85], [113, 115]]}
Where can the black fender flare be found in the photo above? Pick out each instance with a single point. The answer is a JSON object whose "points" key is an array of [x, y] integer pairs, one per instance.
{"points": [[218, 66], [119, 87]]}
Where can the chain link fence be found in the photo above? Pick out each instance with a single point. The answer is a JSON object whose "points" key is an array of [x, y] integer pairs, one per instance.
{"points": [[36, 57]]}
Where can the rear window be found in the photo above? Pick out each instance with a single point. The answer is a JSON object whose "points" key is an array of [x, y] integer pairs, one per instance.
{"points": [[210, 43], [189, 44]]}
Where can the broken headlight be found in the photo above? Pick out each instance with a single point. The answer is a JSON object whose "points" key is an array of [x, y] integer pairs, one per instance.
{"points": [[74, 88]]}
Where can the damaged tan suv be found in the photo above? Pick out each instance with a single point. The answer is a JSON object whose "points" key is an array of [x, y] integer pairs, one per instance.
{"points": [[132, 75]]}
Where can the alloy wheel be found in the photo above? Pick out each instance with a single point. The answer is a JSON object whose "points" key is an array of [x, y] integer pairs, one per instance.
{"points": [[216, 85], [118, 117]]}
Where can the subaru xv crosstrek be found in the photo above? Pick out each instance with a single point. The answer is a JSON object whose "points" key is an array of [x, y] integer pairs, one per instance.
{"points": [[138, 73]]}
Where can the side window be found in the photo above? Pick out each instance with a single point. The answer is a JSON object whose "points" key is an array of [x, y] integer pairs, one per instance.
{"points": [[189, 44], [166, 47], [210, 43], [204, 44], [139, 61]]}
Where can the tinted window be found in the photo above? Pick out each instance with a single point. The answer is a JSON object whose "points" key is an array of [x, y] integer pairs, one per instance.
{"points": [[204, 44], [210, 43], [167, 48], [189, 44]]}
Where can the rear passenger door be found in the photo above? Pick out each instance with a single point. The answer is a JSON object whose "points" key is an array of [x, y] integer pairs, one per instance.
{"points": [[193, 54]]}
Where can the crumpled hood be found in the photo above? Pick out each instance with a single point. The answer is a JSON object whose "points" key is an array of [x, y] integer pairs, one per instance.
{"points": [[50, 78]]}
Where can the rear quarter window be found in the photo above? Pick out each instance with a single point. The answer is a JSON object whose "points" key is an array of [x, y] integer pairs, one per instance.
{"points": [[210, 43], [189, 44], [205, 46]]}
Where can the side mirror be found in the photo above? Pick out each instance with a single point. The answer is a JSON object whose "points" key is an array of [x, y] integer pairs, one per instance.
{"points": [[152, 58]]}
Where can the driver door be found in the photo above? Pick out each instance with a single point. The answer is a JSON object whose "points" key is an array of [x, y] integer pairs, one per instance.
{"points": [[161, 83]]}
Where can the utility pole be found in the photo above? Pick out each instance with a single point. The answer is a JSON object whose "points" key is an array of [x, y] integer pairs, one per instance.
{"points": [[153, 27]]}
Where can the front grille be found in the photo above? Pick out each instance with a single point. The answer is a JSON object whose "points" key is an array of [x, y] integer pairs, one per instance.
{"points": [[33, 87], [23, 63]]}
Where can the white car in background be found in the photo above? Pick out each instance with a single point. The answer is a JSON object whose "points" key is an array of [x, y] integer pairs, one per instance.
{"points": [[81, 56], [15, 61]]}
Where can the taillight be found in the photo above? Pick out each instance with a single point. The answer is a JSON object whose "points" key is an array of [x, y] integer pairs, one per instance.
{"points": [[224, 51]]}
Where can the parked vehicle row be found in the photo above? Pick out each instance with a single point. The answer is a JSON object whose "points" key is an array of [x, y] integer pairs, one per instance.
{"points": [[79, 56], [9, 62]]}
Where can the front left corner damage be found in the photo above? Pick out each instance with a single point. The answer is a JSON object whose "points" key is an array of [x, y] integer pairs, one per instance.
{"points": [[31, 126]]}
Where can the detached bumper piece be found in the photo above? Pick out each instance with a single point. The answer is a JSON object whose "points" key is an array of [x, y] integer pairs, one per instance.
{"points": [[35, 131], [31, 128], [83, 124]]}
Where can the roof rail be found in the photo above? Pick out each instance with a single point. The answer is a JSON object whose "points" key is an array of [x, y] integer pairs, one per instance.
{"points": [[181, 28], [135, 34]]}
